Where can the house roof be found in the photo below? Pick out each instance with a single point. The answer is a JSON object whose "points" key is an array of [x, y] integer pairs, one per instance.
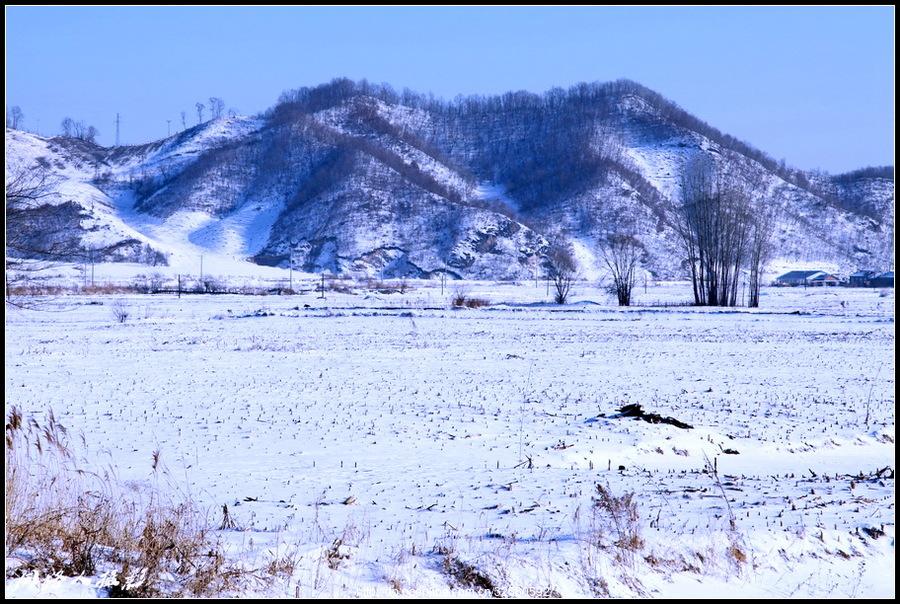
{"points": [[887, 275], [793, 275], [862, 273], [823, 277]]}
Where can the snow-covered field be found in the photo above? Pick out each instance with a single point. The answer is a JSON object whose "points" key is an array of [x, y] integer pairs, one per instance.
{"points": [[479, 435]]}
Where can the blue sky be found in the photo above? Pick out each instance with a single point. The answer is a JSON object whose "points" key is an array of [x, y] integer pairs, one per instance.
{"points": [[811, 85]]}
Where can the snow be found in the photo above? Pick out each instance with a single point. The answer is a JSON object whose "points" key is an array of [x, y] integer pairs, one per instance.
{"points": [[184, 236], [589, 263], [183, 147], [428, 416], [487, 191]]}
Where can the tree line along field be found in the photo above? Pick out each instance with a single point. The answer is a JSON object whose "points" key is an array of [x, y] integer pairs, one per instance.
{"points": [[382, 444]]}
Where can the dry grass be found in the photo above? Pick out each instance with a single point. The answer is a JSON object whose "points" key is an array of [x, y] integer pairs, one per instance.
{"points": [[468, 576], [613, 533], [111, 288], [462, 573], [61, 518], [461, 299], [616, 523], [396, 286], [334, 555], [28, 288]]}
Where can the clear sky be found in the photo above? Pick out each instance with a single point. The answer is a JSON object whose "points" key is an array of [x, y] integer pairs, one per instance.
{"points": [[814, 86]]}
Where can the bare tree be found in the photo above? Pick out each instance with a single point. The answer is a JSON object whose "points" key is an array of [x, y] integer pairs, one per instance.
{"points": [[14, 117], [25, 188], [621, 253], [68, 127], [79, 130], [184, 120], [216, 107], [91, 134], [714, 222], [200, 107], [561, 266], [760, 248], [28, 187]]}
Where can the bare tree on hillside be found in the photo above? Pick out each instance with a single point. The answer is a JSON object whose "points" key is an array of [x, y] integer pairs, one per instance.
{"points": [[90, 134], [216, 107], [80, 130], [200, 107], [14, 117], [184, 120], [68, 126]]}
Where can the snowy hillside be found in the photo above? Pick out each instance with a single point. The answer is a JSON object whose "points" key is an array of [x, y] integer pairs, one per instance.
{"points": [[353, 178]]}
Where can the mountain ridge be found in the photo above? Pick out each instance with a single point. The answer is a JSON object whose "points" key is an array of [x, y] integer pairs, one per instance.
{"points": [[351, 177]]}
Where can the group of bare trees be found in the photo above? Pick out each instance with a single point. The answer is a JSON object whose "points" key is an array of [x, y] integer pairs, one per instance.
{"points": [[79, 130], [621, 253], [14, 117], [723, 230], [216, 109]]}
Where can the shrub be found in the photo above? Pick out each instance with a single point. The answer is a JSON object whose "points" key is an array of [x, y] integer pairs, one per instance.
{"points": [[211, 285], [460, 299], [120, 311], [339, 287]]}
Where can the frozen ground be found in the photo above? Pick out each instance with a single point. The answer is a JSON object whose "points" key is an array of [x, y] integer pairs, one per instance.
{"points": [[484, 432]]}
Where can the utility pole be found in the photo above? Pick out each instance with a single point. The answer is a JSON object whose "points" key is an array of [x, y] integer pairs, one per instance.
{"points": [[291, 271], [323, 286], [117, 129], [201, 268]]}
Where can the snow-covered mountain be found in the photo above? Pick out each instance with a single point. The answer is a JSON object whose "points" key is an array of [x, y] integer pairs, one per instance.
{"points": [[351, 177]]}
